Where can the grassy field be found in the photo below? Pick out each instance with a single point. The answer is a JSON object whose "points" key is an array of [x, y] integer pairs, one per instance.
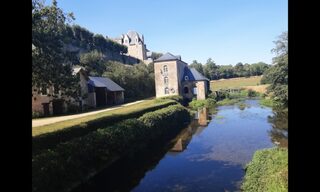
{"points": [[268, 171], [236, 83], [69, 123]]}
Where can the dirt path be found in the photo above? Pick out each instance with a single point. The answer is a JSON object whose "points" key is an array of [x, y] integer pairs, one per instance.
{"points": [[50, 120]]}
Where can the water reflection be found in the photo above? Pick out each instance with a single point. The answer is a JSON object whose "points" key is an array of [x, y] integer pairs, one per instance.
{"points": [[205, 156], [279, 131], [195, 128]]}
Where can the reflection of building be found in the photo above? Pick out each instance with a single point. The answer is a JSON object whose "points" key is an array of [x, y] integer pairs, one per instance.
{"points": [[184, 138], [174, 77], [203, 116]]}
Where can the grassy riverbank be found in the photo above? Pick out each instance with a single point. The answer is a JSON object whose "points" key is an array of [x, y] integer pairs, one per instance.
{"points": [[54, 134], [268, 171], [70, 163]]}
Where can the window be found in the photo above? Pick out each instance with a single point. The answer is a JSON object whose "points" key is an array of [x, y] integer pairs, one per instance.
{"points": [[166, 80], [166, 90], [165, 68], [186, 78], [194, 90]]}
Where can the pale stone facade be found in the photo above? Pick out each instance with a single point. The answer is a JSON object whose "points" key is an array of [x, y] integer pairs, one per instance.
{"points": [[174, 77], [136, 46]]}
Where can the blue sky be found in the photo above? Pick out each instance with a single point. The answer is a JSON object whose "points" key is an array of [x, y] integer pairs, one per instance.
{"points": [[228, 31]]}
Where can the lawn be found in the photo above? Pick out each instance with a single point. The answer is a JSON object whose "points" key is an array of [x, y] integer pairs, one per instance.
{"points": [[235, 82], [82, 120]]}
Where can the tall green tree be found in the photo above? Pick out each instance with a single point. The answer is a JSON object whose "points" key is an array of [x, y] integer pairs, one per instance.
{"points": [[49, 64], [93, 62], [210, 69], [197, 66], [277, 75]]}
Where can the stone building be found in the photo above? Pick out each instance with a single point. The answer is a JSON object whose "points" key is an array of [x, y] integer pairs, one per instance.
{"points": [[95, 92], [136, 46], [174, 77]]}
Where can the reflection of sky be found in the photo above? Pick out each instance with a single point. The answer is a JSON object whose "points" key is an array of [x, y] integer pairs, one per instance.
{"points": [[214, 158]]}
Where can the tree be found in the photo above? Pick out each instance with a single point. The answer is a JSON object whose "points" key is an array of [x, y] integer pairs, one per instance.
{"points": [[210, 69], [155, 55], [197, 66], [50, 66], [93, 62], [277, 75]]}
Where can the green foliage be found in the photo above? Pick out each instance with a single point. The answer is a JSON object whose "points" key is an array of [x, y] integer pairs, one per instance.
{"points": [[50, 65], [214, 72], [268, 171], [252, 93], [74, 161], [277, 75], [228, 101], [155, 55], [267, 102], [136, 80], [50, 140], [197, 66], [93, 62], [197, 104], [176, 98]]}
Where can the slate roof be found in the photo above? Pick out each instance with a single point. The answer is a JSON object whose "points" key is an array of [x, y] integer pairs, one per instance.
{"points": [[168, 57], [194, 75], [104, 82]]}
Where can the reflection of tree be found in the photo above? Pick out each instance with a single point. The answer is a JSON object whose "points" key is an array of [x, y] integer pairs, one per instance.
{"points": [[279, 131]]}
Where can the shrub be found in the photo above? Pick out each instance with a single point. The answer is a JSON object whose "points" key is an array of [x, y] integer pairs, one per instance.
{"points": [[176, 98], [268, 171], [65, 166], [196, 104], [252, 93], [49, 140]]}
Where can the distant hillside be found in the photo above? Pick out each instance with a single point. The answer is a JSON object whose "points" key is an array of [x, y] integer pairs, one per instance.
{"points": [[78, 40]]}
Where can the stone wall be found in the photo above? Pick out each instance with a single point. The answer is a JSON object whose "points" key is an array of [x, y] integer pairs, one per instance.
{"points": [[172, 74]]}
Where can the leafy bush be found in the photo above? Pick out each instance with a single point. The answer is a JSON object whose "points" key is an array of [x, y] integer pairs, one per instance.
{"points": [[196, 104], [49, 140], [268, 171], [252, 93], [176, 98], [74, 161]]}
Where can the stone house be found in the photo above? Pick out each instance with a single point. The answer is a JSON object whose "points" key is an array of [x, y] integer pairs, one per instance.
{"points": [[174, 77], [95, 92]]}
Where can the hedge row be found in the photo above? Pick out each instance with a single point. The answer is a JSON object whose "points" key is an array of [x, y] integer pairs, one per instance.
{"points": [[68, 164], [50, 140]]}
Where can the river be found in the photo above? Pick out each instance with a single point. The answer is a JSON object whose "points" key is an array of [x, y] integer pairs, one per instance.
{"points": [[208, 155]]}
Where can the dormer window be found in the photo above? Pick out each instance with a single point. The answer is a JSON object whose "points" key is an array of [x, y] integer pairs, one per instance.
{"points": [[186, 78], [165, 69]]}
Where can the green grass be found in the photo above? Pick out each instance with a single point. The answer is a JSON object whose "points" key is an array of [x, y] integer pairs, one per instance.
{"points": [[268, 171], [84, 120], [234, 83], [267, 102]]}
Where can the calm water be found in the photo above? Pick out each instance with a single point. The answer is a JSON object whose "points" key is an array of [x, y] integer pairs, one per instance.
{"points": [[208, 155]]}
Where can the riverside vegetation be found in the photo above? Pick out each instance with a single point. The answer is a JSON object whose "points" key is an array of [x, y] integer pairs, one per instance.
{"points": [[71, 162]]}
